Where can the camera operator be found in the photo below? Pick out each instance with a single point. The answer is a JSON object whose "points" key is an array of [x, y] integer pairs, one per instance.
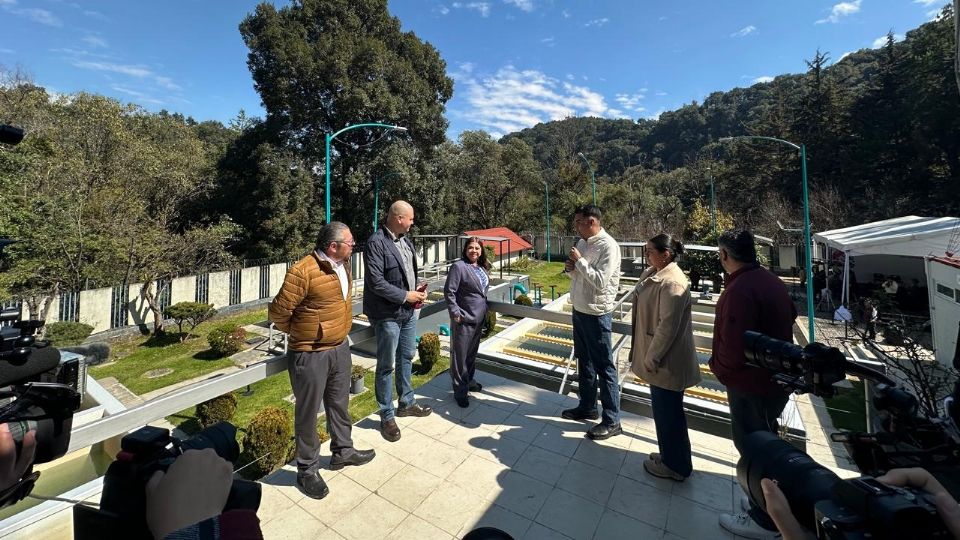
{"points": [[754, 299], [185, 503], [778, 508], [13, 467]]}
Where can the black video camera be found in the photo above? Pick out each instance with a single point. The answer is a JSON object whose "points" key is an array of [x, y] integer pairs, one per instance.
{"points": [[38, 393], [835, 508], [10, 135], [861, 507], [122, 512]]}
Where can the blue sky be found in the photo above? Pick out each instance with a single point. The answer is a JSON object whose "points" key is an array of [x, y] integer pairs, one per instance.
{"points": [[515, 62]]}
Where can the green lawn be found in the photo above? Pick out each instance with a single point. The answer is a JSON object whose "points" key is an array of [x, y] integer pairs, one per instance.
{"points": [[271, 391], [134, 357], [547, 274], [847, 409]]}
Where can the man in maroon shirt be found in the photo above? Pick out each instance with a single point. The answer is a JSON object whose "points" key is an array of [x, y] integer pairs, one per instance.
{"points": [[754, 299]]}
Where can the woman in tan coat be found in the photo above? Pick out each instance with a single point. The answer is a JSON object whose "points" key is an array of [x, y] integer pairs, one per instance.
{"points": [[663, 354]]}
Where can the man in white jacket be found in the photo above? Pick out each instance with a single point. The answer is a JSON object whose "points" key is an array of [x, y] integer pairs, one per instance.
{"points": [[594, 269]]}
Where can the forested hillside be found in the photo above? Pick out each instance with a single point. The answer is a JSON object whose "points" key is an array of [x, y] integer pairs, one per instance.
{"points": [[102, 192]]}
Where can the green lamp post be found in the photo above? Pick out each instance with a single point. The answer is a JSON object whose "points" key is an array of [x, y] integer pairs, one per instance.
{"points": [[546, 188], [593, 176], [330, 138], [376, 196], [806, 220]]}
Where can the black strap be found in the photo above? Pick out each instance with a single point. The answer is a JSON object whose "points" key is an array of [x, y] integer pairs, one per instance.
{"points": [[19, 491]]}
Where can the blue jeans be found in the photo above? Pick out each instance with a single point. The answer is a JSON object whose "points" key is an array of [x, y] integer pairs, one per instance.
{"points": [[672, 436], [593, 347], [396, 344]]}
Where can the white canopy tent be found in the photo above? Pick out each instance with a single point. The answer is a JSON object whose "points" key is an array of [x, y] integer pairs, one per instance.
{"points": [[908, 236]]}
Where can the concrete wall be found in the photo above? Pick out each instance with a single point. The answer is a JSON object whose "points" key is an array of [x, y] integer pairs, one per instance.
{"points": [[219, 289], [277, 273], [183, 289], [95, 308], [249, 284], [138, 308], [944, 311], [788, 256]]}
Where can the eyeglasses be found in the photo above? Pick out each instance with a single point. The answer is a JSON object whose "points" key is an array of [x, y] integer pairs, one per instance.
{"points": [[350, 243]]}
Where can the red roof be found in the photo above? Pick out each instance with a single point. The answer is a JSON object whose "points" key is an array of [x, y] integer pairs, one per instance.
{"points": [[516, 244]]}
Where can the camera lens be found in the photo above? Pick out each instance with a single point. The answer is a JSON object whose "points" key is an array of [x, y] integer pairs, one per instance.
{"points": [[221, 437], [802, 480], [773, 354]]}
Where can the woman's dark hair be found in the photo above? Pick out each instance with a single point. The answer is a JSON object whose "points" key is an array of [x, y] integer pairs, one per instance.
{"points": [[665, 243], [482, 261]]}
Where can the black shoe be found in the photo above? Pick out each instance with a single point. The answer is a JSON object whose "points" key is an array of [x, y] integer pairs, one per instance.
{"points": [[600, 432], [577, 413], [474, 386], [414, 410], [357, 458], [312, 485], [462, 401], [390, 430]]}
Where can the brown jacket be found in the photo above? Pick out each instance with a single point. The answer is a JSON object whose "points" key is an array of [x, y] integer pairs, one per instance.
{"points": [[663, 353], [310, 306]]}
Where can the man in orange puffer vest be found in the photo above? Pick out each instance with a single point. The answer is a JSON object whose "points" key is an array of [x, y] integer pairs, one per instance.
{"points": [[313, 307]]}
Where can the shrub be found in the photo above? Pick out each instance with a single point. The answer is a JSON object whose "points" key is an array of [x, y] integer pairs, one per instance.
{"points": [[490, 323], [523, 300], [226, 339], [193, 313], [357, 372], [64, 333], [491, 255], [218, 409], [429, 349], [270, 437]]}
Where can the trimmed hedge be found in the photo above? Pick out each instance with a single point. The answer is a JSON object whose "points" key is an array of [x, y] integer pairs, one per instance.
{"points": [[226, 339], [65, 333], [269, 436], [218, 409], [523, 300], [193, 313], [429, 349]]}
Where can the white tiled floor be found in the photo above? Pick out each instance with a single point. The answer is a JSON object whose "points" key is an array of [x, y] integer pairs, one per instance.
{"points": [[509, 461]]}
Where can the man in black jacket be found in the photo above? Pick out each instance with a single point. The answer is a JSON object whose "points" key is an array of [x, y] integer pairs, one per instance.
{"points": [[389, 299]]}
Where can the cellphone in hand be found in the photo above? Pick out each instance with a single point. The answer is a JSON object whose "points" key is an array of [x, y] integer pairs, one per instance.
{"points": [[421, 287]]}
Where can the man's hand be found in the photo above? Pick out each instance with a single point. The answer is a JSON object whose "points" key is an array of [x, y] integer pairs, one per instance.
{"points": [[194, 489], [778, 508], [415, 296], [568, 266], [12, 468], [575, 255], [922, 479]]}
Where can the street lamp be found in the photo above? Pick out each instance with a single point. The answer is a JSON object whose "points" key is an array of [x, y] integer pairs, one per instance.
{"points": [[806, 221], [593, 176], [713, 203], [330, 138], [376, 196], [546, 187]]}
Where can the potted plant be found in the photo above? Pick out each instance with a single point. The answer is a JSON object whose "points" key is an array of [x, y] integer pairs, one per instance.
{"points": [[356, 379]]}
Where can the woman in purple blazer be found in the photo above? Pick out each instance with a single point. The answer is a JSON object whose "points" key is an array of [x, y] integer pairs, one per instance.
{"points": [[466, 294]]}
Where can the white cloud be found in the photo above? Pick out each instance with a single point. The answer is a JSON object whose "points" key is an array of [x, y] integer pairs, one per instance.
{"points": [[927, 3], [882, 40], [467, 67], [139, 96], [95, 41], [566, 14], [762, 79], [525, 5], [597, 22], [632, 101], [844, 55], [548, 41], [36, 15], [133, 71], [841, 10], [166, 82], [96, 15], [441, 9], [745, 31], [481, 7], [513, 99]]}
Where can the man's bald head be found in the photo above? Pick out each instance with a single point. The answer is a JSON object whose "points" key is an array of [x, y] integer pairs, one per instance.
{"points": [[400, 217]]}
